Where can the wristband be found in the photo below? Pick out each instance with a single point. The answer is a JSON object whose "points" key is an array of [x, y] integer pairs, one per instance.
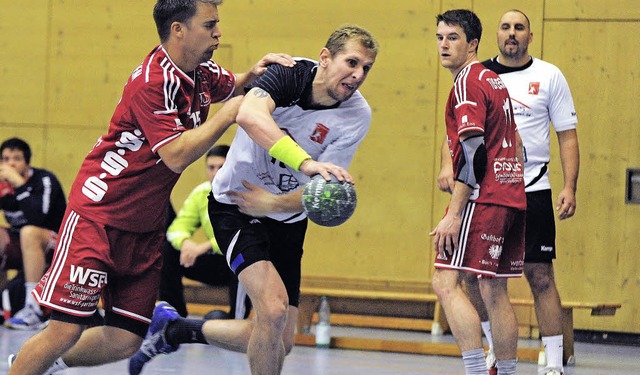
{"points": [[289, 152]]}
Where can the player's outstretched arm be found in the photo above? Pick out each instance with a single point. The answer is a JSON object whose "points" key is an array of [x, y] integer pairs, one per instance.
{"points": [[178, 154]]}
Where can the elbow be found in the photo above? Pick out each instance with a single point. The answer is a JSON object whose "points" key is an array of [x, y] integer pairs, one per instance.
{"points": [[176, 167], [244, 117]]}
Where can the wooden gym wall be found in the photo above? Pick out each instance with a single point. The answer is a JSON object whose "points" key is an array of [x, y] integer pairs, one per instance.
{"points": [[63, 65]]}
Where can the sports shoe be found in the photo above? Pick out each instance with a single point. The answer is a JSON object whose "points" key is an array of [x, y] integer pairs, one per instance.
{"points": [[27, 319], [11, 359], [552, 371], [155, 342], [491, 363]]}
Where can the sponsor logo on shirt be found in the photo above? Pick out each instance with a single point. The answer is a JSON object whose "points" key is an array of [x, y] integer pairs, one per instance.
{"points": [[534, 88], [546, 248], [320, 133]]}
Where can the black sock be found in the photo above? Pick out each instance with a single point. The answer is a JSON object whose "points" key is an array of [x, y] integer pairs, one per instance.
{"points": [[185, 331]]}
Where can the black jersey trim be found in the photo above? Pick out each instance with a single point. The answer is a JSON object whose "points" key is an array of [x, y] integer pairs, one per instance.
{"points": [[498, 68]]}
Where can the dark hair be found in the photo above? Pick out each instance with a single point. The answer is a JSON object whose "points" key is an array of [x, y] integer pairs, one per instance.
{"points": [[17, 144], [347, 32], [466, 19], [166, 12], [219, 150]]}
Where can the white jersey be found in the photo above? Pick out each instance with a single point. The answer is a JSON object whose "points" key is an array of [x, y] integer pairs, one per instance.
{"points": [[540, 95], [329, 134]]}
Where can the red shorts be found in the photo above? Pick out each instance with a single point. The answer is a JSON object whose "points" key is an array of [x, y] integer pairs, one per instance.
{"points": [[11, 256], [93, 261], [491, 242]]}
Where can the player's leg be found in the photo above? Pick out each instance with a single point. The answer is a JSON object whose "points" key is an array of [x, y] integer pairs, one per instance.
{"points": [[461, 315], [473, 291], [34, 244], [545, 294], [270, 303], [505, 328], [462, 318], [100, 345], [40, 351], [538, 269]]}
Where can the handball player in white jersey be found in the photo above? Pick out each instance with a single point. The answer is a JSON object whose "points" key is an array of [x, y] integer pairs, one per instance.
{"points": [[110, 238], [295, 122]]}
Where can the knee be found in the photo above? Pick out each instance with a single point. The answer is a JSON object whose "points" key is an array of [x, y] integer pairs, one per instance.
{"points": [[274, 314], [441, 285], [540, 279], [30, 235]]}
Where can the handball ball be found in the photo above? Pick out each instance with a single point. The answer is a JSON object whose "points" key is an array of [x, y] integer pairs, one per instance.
{"points": [[328, 203]]}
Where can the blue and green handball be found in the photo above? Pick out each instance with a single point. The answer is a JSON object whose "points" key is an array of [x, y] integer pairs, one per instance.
{"points": [[328, 203]]}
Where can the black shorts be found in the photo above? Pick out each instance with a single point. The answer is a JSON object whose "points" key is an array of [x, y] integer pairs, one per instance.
{"points": [[251, 240], [540, 237]]}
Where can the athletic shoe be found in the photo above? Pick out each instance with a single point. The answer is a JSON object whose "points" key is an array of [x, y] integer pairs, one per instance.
{"points": [[12, 358], [552, 371], [491, 363], [27, 319], [155, 342]]}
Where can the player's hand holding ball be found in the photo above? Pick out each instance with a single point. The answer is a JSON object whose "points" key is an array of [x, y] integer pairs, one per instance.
{"points": [[328, 203]]}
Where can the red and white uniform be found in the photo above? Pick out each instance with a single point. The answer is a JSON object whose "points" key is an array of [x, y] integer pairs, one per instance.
{"points": [[118, 201], [479, 101], [491, 239], [123, 182]]}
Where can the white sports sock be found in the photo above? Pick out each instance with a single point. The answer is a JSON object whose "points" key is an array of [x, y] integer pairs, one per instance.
{"points": [[474, 363], [507, 366], [553, 350], [29, 300], [486, 328]]}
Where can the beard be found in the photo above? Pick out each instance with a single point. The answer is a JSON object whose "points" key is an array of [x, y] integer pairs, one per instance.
{"points": [[513, 51]]}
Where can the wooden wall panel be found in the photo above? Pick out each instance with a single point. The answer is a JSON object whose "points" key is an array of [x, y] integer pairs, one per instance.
{"points": [[598, 251], [23, 61], [94, 47], [600, 10]]}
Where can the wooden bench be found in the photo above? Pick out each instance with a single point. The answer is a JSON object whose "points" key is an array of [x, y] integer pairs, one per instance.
{"points": [[375, 312], [310, 297]]}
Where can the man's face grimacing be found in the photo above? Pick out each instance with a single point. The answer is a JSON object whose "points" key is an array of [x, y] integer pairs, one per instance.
{"points": [[347, 70], [202, 32]]}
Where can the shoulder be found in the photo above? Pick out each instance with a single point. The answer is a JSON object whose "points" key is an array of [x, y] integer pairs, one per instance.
{"points": [[544, 67]]}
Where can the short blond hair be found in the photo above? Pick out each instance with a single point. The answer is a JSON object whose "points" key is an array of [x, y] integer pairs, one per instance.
{"points": [[347, 32]]}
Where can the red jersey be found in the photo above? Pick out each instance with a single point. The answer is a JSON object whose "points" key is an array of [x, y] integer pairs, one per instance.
{"points": [[123, 182], [479, 101]]}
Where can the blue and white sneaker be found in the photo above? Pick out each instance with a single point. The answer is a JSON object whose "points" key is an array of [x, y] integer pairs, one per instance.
{"points": [[155, 342], [27, 319]]}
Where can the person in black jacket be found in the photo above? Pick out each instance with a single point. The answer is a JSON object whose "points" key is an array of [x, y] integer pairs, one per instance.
{"points": [[33, 204]]}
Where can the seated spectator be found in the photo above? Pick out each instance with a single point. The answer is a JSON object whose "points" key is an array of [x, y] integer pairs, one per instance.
{"points": [[200, 261], [33, 204]]}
